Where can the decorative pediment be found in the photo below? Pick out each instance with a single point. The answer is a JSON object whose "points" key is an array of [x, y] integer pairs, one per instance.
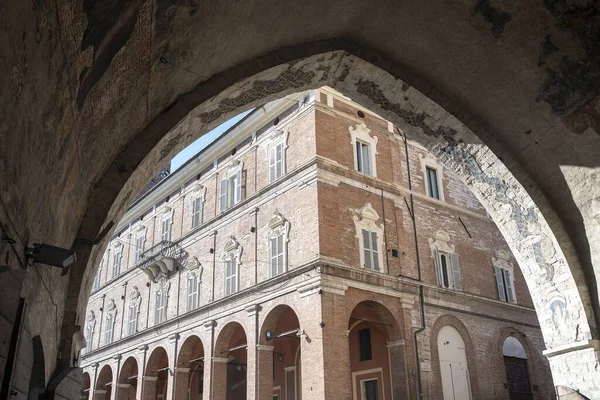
{"points": [[194, 268], [166, 210], [197, 189], [91, 321], [276, 136], [232, 248], [441, 242], [234, 167], [360, 131], [163, 285], [140, 229], [136, 297], [111, 309], [366, 218], [502, 260]]}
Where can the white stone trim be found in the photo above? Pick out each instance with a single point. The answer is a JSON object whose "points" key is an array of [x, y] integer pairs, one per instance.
{"points": [[360, 382], [361, 133], [366, 218], [277, 226], [232, 249], [428, 160]]}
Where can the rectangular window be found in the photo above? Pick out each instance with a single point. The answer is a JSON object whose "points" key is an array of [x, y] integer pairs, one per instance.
{"points": [[505, 285], [96, 283], [447, 270], [364, 343], [89, 335], [370, 250], [139, 248], [160, 310], [275, 162], [116, 266], [134, 310], [196, 212], [165, 230], [363, 158], [231, 191], [276, 256], [370, 390], [230, 276], [192, 292], [432, 183], [108, 333]]}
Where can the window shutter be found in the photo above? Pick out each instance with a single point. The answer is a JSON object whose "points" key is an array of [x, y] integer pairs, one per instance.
{"points": [[279, 163], [374, 251], [223, 197], [243, 185], [438, 268], [509, 287], [272, 162], [273, 257], [366, 156], [500, 283], [367, 249], [359, 163], [238, 187], [280, 253], [455, 271]]}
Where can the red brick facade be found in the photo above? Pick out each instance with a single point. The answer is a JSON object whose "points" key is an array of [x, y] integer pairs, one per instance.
{"points": [[299, 334]]}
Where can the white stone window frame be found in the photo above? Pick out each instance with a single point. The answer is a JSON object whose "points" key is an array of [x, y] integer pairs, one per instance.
{"points": [[135, 303], [233, 172], [110, 321], [366, 219], [276, 227], [116, 258], [501, 260], [162, 290], [271, 141], [96, 282], [138, 251], [195, 270], [231, 250], [166, 214], [90, 327], [197, 194], [360, 133], [440, 245], [429, 161]]}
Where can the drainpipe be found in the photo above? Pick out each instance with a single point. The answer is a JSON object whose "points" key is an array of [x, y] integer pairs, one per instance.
{"points": [[419, 387], [255, 212], [148, 285], [212, 294], [387, 255]]}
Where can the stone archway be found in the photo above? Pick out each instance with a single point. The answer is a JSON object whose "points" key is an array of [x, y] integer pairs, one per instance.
{"points": [[230, 363], [189, 372], [279, 355], [127, 384], [85, 386], [157, 375], [377, 359], [532, 230], [104, 384]]}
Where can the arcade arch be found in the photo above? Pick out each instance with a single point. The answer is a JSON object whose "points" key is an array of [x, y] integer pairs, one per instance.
{"points": [[230, 363], [104, 384], [189, 372], [157, 375], [128, 380]]}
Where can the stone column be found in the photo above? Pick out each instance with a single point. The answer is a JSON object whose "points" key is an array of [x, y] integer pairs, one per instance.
{"points": [[172, 375], [182, 383], [219, 383], [100, 394], [142, 350], [251, 352], [265, 371], [574, 367], [122, 391], [399, 374], [116, 367], [93, 378], [149, 383], [208, 357]]}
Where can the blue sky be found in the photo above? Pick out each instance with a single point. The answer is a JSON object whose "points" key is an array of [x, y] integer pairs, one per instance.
{"points": [[203, 141]]}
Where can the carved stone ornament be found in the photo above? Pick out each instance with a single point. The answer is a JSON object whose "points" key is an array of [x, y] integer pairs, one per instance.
{"points": [[136, 297], [163, 286], [194, 268], [91, 321], [232, 249], [111, 309], [366, 218], [278, 225], [440, 242]]}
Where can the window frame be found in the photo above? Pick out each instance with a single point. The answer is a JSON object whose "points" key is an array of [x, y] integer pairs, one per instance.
{"points": [[194, 273], [428, 161], [116, 258], [361, 134], [162, 293], [90, 327], [232, 253], [133, 312], [366, 219], [232, 193], [440, 247], [277, 228], [96, 282], [505, 285], [110, 321], [139, 249]]}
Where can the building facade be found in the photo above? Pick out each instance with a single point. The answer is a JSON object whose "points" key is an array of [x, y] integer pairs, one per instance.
{"points": [[312, 252]]}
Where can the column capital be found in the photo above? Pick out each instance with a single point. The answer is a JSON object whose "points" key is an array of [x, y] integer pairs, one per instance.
{"points": [[209, 325], [182, 369], [116, 357], [397, 343], [252, 310], [142, 347], [173, 337], [264, 347], [222, 360], [150, 378]]}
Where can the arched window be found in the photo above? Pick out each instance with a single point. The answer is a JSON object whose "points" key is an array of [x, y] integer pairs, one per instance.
{"points": [[453, 364], [231, 262], [278, 230]]}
